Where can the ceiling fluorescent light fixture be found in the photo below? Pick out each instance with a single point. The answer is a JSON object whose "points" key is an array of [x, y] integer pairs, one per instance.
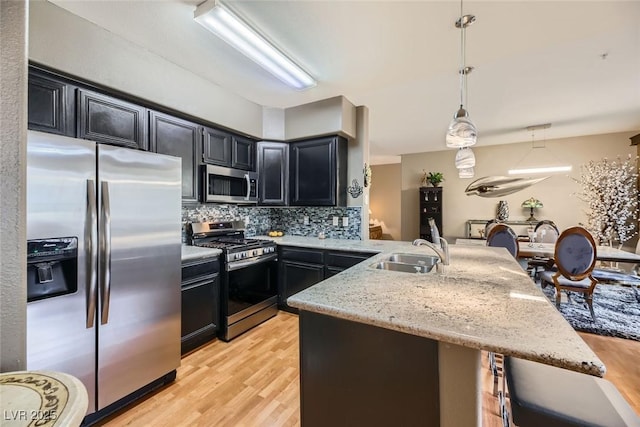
{"points": [[542, 169], [549, 169], [221, 21]]}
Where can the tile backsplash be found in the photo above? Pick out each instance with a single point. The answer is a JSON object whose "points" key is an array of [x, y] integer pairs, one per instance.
{"points": [[290, 220]]}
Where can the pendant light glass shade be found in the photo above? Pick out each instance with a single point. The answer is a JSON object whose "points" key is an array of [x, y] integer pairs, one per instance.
{"points": [[465, 158], [461, 132], [466, 173]]}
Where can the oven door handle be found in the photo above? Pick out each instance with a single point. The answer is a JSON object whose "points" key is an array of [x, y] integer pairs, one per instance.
{"points": [[236, 265]]}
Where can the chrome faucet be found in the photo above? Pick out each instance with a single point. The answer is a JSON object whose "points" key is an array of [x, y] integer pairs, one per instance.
{"points": [[442, 252]]}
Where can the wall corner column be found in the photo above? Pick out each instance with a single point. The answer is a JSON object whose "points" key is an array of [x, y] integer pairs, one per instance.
{"points": [[13, 134]]}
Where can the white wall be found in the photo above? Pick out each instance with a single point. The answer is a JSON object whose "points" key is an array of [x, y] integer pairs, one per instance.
{"points": [[556, 193], [331, 116], [13, 134], [386, 199], [65, 42]]}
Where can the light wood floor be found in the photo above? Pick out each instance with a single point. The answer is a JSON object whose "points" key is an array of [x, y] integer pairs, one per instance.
{"points": [[253, 381]]}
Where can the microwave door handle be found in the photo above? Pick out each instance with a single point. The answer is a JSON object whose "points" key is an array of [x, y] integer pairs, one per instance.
{"points": [[91, 242], [246, 177], [105, 242]]}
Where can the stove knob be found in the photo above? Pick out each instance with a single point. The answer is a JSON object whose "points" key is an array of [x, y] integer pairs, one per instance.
{"points": [[255, 252]]}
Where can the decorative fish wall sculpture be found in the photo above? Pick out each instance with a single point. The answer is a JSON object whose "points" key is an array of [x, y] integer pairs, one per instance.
{"points": [[498, 186]]}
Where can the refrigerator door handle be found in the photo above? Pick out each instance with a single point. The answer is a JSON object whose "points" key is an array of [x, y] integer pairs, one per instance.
{"points": [[105, 240], [91, 240]]}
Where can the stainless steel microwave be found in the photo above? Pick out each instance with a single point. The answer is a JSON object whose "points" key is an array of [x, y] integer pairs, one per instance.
{"points": [[226, 185]]}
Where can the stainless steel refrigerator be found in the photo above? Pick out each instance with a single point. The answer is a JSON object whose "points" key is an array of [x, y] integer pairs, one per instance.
{"points": [[104, 239]]}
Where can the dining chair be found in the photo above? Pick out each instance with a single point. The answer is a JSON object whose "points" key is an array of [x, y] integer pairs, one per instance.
{"points": [[575, 258], [503, 236], [620, 277], [545, 232], [488, 226]]}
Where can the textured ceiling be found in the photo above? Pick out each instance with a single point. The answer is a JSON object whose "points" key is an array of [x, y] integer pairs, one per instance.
{"points": [[575, 64]]}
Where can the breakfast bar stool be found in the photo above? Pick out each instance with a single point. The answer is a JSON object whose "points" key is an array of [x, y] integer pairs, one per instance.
{"points": [[42, 398], [543, 395]]}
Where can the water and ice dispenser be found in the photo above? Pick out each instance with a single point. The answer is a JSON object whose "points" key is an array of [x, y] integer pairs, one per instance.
{"points": [[52, 267]]}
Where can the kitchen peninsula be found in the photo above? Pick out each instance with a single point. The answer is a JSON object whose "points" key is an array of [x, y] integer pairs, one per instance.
{"points": [[397, 347]]}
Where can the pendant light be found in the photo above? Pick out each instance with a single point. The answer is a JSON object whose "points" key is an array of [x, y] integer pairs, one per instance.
{"points": [[465, 158], [462, 132], [465, 162]]}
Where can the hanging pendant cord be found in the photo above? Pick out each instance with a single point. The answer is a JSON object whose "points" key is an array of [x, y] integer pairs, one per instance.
{"points": [[462, 54]]}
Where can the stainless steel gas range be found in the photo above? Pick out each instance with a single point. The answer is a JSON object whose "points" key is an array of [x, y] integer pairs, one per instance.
{"points": [[249, 274]]}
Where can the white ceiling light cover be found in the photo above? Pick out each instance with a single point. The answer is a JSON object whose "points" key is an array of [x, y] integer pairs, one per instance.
{"points": [[221, 21], [546, 169]]}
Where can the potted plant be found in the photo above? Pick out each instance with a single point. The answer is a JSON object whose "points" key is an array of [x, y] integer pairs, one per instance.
{"points": [[435, 178]]}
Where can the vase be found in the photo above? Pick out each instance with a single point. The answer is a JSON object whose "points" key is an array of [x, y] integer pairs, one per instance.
{"points": [[502, 214]]}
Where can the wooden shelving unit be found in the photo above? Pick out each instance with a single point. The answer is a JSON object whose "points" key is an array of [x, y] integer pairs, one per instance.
{"points": [[430, 207]]}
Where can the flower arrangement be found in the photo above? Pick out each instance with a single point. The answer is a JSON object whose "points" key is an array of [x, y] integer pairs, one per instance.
{"points": [[609, 190], [435, 178]]}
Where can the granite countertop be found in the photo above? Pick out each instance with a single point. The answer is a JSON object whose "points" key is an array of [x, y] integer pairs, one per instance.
{"points": [[483, 301], [190, 253], [337, 244]]}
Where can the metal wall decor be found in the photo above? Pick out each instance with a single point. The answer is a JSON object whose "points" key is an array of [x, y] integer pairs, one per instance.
{"points": [[367, 175], [498, 186], [355, 189]]}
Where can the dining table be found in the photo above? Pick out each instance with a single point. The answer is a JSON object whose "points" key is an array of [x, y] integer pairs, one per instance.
{"points": [[603, 253]]}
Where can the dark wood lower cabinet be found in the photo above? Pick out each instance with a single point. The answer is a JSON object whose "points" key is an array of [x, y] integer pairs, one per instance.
{"points": [[200, 303], [301, 268], [338, 261], [352, 374], [295, 277]]}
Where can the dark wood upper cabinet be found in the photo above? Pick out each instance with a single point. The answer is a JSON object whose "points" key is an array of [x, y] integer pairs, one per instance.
{"points": [[242, 153], [318, 172], [179, 138], [51, 105], [225, 149], [216, 147], [112, 121], [273, 173]]}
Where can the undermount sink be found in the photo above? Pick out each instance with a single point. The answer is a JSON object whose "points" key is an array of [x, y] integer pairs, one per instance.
{"points": [[405, 268], [408, 263], [425, 260]]}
